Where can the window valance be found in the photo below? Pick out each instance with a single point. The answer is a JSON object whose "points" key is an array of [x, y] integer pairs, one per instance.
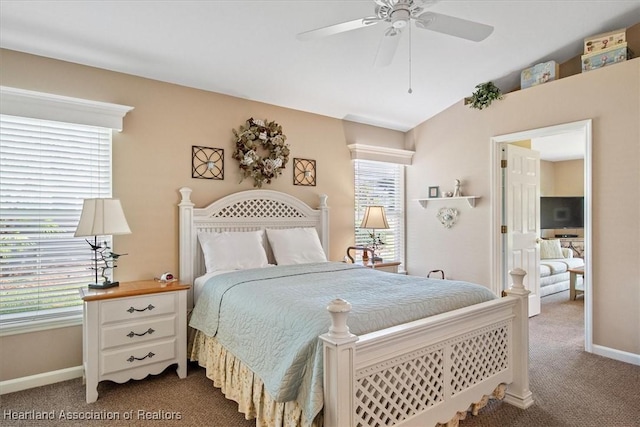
{"points": [[381, 154], [46, 106]]}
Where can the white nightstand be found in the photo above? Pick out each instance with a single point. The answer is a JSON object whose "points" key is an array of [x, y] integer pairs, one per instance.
{"points": [[133, 330]]}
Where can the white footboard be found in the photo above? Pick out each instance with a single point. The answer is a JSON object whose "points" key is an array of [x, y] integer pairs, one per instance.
{"points": [[424, 372]]}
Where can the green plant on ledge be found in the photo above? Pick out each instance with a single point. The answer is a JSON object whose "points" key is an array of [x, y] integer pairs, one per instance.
{"points": [[484, 95]]}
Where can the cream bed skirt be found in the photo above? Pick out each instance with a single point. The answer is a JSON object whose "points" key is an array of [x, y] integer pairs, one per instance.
{"points": [[238, 383]]}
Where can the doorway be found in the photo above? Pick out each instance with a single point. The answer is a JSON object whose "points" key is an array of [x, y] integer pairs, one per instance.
{"points": [[499, 212]]}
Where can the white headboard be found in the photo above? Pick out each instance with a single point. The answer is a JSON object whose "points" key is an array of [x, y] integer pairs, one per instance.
{"points": [[243, 211]]}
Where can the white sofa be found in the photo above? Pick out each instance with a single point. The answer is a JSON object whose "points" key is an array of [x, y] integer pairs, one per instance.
{"points": [[554, 274]]}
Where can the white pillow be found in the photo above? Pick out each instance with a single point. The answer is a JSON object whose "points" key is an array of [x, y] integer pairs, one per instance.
{"points": [[550, 249], [233, 250], [295, 246]]}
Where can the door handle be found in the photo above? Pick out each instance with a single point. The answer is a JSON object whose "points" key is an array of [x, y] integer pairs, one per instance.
{"points": [[538, 240]]}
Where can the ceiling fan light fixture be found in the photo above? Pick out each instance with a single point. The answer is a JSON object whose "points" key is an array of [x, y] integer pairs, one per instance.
{"points": [[400, 18]]}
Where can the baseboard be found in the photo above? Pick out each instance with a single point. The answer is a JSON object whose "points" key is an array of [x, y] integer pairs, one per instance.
{"points": [[45, 378], [611, 353]]}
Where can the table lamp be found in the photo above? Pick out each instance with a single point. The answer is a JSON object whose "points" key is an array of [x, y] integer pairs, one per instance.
{"points": [[374, 218], [102, 217]]}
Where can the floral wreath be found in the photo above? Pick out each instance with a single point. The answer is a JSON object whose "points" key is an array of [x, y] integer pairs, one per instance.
{"points": [[249, 139]]}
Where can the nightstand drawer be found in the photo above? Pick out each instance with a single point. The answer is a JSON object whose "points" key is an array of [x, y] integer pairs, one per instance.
{"points": [[138, 307], [133, 357], [138, 332]]}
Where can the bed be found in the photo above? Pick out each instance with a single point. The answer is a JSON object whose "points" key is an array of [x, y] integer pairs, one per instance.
{"points": [[416, 371]]}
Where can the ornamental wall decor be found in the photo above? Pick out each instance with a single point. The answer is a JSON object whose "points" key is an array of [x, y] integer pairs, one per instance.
{"points": [[257, 136], [207, 162], [304, 172], [447, 216]]}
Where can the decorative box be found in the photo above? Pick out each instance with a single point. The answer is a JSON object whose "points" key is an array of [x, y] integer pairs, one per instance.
{"points": [[604, 41], [539, 73], [605, 57]]}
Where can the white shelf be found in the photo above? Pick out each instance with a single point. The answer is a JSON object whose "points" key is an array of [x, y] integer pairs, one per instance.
{"points": [[470, 199]]}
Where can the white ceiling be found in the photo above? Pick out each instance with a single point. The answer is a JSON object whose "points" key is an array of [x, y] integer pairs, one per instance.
{"points": [[560, 147], [249, 49]]}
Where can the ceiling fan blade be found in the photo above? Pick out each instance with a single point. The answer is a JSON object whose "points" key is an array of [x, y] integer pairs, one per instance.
{"points": [[453, 26], [388, 47], [338, 28]]}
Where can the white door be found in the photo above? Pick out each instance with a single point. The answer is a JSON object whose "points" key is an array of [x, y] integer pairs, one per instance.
{"points": [[522, 217]]}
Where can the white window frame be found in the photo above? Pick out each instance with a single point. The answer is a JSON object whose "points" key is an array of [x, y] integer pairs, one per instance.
{"points": [[37, 105], [383, 157]]}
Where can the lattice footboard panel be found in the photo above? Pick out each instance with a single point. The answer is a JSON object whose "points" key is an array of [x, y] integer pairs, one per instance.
{"points": [[479, 357], [393, 390], [387, 392]]}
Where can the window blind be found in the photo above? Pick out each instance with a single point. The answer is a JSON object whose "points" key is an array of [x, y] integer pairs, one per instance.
{"points": [[381, 183], [47, 168]]}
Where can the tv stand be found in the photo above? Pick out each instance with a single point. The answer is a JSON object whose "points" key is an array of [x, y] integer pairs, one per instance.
{"points": [[566, 236]]}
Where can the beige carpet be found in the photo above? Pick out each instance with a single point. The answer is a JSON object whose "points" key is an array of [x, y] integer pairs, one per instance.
{"points": [[570, 388]]}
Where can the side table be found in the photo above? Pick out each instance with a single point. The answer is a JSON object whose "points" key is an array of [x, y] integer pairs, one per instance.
{"points": [[132, 331], [573, 282]]}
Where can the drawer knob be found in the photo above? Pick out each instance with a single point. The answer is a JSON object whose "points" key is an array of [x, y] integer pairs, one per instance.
{"points": [[149, 307], [133, 334], [132, 358]]}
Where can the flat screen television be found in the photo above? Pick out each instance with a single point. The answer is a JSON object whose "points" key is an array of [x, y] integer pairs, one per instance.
{"points": [[561, 212]]}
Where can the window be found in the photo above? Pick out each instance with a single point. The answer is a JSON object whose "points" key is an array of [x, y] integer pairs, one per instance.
{"points": [[381, 183], [46, 170], [55, 151]]}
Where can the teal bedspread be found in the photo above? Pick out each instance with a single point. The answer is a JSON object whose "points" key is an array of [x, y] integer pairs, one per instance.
{"points": [[270, 318]]}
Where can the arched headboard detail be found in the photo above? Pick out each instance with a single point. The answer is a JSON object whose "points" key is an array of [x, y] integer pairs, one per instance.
{"points": [[243, 211]]}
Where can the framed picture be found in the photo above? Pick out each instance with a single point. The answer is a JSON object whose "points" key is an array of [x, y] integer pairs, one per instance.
{"points": [[434, 192]]}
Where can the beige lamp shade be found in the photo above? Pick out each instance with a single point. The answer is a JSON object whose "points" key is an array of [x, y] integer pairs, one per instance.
{"points": [[102, 217], [374, 217]]}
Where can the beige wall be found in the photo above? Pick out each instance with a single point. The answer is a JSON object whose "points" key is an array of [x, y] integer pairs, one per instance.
{"points": [[356, 133], [43, 351], [547, 178], [445, 150], [564, 178], [569, 177], [152, 160]]}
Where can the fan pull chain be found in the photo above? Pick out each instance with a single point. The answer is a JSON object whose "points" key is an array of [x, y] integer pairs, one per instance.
{"points": [[410, 90]]}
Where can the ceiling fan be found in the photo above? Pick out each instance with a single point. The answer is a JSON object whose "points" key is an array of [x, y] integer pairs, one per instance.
{"points": [[399, 14]]}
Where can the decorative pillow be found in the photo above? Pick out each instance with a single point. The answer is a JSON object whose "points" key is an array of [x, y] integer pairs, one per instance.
{"points": [[550, 249], [233, 250], [296, 245]]}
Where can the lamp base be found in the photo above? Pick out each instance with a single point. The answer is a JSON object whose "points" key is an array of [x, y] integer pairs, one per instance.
{"points": [[103, 285]]}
